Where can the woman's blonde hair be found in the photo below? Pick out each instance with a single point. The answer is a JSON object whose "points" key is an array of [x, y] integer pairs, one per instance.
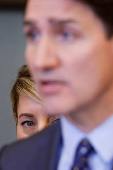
{"points": [[23, 85]]}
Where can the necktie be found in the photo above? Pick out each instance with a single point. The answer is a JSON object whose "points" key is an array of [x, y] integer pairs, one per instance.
{"points": [[83, 151]]}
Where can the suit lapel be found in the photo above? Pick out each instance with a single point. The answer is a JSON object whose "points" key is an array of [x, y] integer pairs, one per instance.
{"points": [[46, 154], [54, 149]]}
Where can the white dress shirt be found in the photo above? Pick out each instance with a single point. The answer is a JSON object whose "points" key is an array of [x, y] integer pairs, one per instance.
{"points": [[101, 138]]}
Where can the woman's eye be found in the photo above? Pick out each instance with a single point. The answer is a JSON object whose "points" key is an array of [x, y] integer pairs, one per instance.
{"points": [[28, 123], [53, 120]]}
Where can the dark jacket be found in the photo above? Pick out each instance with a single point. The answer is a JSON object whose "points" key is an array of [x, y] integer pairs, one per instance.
{"points": [[39, 152]]}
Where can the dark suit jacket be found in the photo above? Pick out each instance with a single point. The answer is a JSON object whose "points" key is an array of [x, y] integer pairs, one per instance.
{"points": [[39, 152]]}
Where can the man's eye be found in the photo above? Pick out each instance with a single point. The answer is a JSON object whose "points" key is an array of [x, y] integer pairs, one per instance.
{"points": [[67, 35], [28, 123], [33, 35]]}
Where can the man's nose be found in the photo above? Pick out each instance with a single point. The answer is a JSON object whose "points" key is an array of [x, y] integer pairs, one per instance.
{"points": [[46, 57]]}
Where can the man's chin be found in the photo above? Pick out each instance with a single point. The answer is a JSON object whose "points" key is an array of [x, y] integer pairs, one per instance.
{"points": [[51, 111], [58, 105]]}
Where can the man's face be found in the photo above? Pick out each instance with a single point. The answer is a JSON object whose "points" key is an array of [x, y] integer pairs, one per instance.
{"points": [[68, 54]]}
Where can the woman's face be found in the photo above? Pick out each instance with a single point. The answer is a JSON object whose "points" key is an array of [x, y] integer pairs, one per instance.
{"points": [[31, 118]]}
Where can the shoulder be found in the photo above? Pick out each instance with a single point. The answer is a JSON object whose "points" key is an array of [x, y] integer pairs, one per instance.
{"points": [[31, 146]]}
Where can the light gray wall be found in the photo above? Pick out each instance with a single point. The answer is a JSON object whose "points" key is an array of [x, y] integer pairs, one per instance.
{"points": [[12, 44]]}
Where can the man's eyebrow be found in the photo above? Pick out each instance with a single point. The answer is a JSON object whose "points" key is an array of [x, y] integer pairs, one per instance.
{"points": [[61, 22], [28, 23], [26, 114], [50, 21]]}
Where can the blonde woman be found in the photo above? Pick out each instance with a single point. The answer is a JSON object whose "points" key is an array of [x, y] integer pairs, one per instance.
{"points": [[27, 106]]}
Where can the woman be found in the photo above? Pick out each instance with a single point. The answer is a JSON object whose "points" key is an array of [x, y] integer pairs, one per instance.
{"points": [[27, 106]]}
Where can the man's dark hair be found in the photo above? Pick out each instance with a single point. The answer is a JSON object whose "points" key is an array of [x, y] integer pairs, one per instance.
{"points": [[104, 10]]}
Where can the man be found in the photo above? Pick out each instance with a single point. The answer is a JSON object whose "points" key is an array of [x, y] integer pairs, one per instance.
{"points": [[70, 55]]}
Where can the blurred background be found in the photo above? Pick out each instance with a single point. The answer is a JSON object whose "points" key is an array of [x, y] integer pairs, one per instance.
{"points": [[12, 46]]}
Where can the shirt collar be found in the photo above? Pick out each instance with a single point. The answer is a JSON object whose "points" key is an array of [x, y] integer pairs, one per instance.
{"points": [[71, 137], [101, 138]]}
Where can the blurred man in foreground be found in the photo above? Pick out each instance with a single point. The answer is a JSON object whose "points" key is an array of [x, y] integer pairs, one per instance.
{"points": [[70, 55]]}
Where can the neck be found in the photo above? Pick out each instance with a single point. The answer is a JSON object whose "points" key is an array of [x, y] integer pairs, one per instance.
{"points": [[92, 115]]}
